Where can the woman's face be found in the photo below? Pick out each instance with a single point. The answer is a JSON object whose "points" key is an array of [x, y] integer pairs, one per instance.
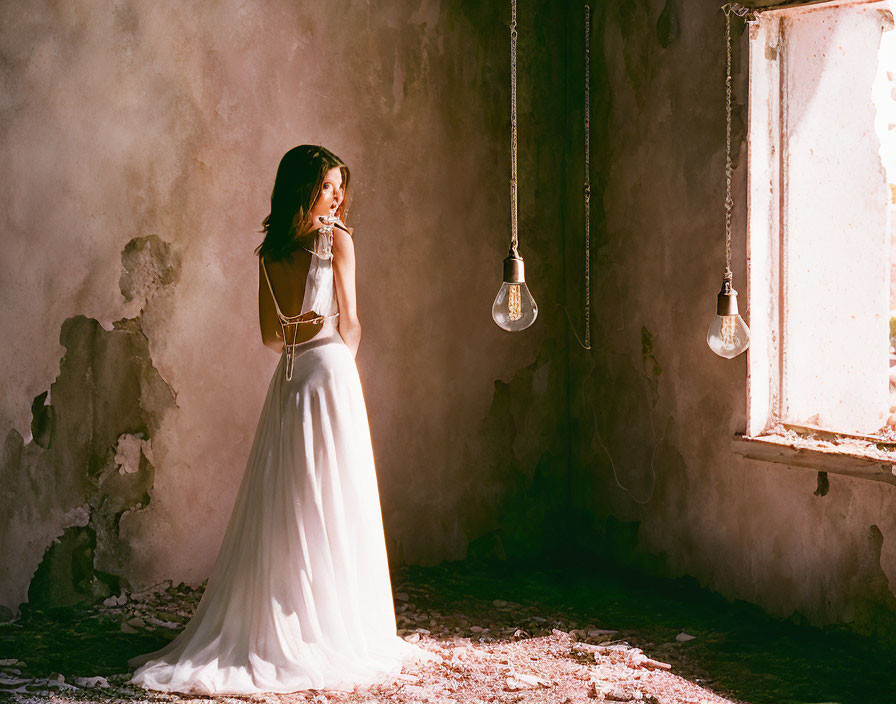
{"points": [[330, 198]]}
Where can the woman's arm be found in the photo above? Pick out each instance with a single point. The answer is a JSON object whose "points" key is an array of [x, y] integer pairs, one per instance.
{"points": [[271, 335], [344, 273]]}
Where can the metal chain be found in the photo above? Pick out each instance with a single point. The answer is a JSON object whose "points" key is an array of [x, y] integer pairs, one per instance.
{"points": [[587, 344], [740, 11], [513, 200], [729, 203], [587, 192], [747, 13]]}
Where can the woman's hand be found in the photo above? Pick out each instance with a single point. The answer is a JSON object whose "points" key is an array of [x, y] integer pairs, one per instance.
{"points": [[337, 222]]}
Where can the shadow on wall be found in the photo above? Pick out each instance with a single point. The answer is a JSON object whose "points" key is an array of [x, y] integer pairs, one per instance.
{"points": [[89, 461], [516, 508]]}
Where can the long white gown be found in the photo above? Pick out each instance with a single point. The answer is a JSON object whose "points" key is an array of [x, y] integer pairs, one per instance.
{"points": [[300, 595]]}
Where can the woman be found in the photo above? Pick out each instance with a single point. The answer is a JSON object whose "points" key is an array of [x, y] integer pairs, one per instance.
{"points": [[300, 595]]}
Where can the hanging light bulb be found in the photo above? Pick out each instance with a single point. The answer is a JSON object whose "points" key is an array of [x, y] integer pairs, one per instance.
{"points": [[728, 334], [514, 308]]}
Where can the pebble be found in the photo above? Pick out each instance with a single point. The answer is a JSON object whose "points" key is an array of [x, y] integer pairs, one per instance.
{"points": [[127, 628], [162, 623], [412, 638], [518, 681], [684, 637], [92, 681], [9, 681], [586, 648], [614, 692], [402, 596], [116, 600], [618, 694]]}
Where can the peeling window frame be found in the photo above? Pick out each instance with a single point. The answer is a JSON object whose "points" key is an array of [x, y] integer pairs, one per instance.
{"points": [[766, 437]]}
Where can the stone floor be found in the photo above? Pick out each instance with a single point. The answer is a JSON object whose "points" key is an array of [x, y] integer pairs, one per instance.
{"points": [[504, 633]]}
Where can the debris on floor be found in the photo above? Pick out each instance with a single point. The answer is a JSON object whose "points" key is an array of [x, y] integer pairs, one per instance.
{"points": [[502, 651]]}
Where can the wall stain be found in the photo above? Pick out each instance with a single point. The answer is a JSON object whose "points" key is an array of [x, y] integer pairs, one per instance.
{"points": [[148, 265], [43, 418], [649, 363], [668, 25], [89, 461], [515, 505], [823, 484], [638, 56], [872, 603]]}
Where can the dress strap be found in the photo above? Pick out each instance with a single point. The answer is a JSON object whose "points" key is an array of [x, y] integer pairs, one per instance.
{"points": [[289, 324], [321, 241], [271, 288]]}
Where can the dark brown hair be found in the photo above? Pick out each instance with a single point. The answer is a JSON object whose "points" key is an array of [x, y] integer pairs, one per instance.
{"points": [[297, 186]]}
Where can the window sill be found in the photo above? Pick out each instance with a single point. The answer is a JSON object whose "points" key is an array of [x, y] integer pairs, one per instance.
{"points": [[852, 458]]}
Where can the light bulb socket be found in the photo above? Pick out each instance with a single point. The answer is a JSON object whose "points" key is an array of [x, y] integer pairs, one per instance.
{"points": [[513, 269], [727, 302]]}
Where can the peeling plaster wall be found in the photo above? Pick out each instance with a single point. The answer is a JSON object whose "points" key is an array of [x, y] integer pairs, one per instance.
{"points": [[651, 400], [140, 151]]}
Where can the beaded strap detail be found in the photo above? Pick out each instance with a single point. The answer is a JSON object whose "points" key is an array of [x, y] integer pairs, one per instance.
{"points": [[289, 324]]}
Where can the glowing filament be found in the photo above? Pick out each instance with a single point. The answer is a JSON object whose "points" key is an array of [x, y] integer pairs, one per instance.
{"points": [[514, 304], [728, 332]]}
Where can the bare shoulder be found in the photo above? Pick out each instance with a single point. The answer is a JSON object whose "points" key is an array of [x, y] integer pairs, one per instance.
{"points": [[342, 243]]}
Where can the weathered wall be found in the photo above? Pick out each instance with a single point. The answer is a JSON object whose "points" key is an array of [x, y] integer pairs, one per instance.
{"points": [[140, 142], [140, 151], [651, 400]]}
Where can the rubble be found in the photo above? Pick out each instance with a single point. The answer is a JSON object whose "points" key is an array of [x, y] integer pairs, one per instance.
{"points": [[489, 652]]}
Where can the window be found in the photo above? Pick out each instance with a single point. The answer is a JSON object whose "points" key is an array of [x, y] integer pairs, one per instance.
{"points": [[822, 123]]}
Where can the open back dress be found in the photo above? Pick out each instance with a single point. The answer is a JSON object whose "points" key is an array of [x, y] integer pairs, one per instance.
{"points": [[300, 595]]}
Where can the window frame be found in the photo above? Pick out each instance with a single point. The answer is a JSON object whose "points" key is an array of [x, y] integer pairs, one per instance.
{"points": [[766, 437]]}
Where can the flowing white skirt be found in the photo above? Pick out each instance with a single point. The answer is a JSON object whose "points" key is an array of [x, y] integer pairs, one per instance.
{"points": [[300, 596]]}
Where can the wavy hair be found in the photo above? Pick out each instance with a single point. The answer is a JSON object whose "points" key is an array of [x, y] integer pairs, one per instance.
{"points": [[297, 186]]}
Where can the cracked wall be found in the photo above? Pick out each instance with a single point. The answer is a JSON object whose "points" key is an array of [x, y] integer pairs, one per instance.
{"points": [[650, 402], [140, 154], [89, 462]]}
